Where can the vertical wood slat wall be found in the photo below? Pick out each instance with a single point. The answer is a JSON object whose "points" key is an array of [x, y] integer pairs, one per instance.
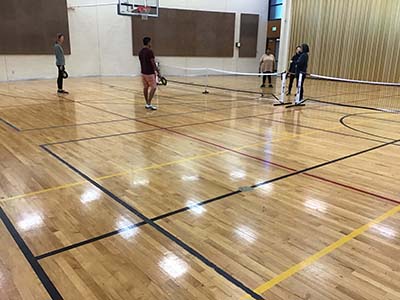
{"points": [[356, 39]]}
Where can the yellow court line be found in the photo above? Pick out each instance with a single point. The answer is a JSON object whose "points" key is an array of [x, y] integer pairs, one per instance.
{"points": [[312, 259], [157, 166]]}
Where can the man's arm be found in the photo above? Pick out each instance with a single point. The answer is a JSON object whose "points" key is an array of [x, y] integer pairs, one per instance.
{"points": [[156, 70]]}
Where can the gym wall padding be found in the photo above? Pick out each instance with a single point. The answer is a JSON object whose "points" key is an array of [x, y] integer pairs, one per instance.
{"points": [[248, 35], [30, 27], [178, 32]]}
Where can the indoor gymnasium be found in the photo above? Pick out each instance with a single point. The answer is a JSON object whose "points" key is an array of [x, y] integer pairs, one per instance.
{"points": [[187, 149]]}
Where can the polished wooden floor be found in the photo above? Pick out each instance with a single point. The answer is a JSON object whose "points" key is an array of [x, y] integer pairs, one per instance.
{"points": [[217, 196]]}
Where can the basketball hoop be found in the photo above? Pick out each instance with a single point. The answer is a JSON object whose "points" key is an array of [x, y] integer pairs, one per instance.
{"points": [[144, 11], [143, 8]]}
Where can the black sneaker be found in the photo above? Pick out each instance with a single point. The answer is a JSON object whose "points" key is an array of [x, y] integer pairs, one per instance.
{"points": [[262, 86], [270, 86], [62, 92]]}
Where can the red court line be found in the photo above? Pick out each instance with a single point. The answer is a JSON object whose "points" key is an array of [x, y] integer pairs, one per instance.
{"points": [[285, 167], [272, 163]]}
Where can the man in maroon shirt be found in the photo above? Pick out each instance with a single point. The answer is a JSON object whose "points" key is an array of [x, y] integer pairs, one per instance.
{"points": [[149, 71]]}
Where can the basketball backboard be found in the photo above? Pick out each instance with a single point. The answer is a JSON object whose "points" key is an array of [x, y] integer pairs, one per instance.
{"points": [[144, 8]]}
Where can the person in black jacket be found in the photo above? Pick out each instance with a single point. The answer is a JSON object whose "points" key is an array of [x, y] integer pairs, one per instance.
{"points": [[292, 69], [301, 67]]}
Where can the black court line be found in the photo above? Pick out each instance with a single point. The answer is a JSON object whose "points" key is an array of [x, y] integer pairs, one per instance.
{"points": [[74, 125], [221, 197], [101, 137], [329, 163], [10, 125], [156, 129], [322, 130], [30, 98], [187, 125], [37, 268], [127, 228], [355, 106], [166, 115], [157, 227], [342, 121], [363, 116], [220, 88], [129, 118], [175, 98], [89, 241]]}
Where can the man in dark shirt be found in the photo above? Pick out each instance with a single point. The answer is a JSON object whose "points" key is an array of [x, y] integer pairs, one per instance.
{"points": [[149, 70]]}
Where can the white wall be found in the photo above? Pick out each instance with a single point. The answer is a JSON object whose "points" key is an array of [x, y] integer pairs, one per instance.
{"points": [[101, 42]]}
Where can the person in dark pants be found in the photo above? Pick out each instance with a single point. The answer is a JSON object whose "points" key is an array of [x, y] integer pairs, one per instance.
{"points": [[60, 62], [267, 65], [301, 67], [292, 69]]}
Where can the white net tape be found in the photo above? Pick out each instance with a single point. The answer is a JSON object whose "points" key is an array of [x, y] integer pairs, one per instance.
{"points": [[213, 71], [354, 81]]}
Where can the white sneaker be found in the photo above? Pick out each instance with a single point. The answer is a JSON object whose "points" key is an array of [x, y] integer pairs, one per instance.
{"points": [[152, 107]]}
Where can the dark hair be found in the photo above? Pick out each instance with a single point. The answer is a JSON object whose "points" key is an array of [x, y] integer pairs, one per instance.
{"points": [[59, 35], [305, 48], [146, 40]]}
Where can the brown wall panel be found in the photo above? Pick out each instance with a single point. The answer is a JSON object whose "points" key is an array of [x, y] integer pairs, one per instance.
{"points": [[248, 35], [356, 39], [30, 27], [186, 33]]}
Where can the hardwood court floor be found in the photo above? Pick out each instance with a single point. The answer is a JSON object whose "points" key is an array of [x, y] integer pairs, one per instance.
{"points": [[218, 196]]}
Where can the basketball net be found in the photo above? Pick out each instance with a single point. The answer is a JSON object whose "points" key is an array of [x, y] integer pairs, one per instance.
{"points": [[144, 12]]}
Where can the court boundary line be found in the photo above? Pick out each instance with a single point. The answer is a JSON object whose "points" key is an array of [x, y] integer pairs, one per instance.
{"points": [[354, 106], [220, 88], [259, 116], [126, 118], [83, 102], [238, 191], [152, 129], [32, 260], [342, 121], [73, 125], [326, 130], [157, 227], [323, 252], [9, 124]]}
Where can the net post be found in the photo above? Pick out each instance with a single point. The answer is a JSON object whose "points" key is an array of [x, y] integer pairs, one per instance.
{"points": [[299, 101], [283, 86], [206, 85], [281, 99]]}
